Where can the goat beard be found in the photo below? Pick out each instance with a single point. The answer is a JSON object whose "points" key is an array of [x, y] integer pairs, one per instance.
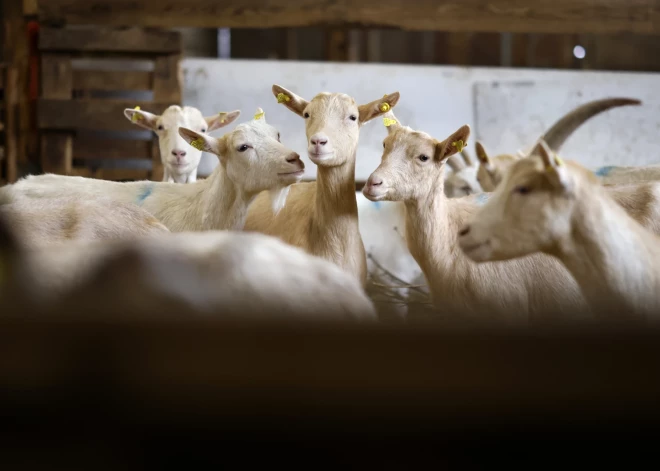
{"points": [[278, 197]]}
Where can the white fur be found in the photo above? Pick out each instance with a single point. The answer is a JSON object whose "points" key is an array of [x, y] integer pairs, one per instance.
{"points": [[564, 212], [218, 273], [218, 202], [166, 127], [412, 171], [73, 218]]}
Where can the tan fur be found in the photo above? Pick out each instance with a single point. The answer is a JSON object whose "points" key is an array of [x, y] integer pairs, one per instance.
{"points": [[213, 273], [491, 169], [72, 218], [217, 202], [565, 212], [322, 217], [517, 291]]}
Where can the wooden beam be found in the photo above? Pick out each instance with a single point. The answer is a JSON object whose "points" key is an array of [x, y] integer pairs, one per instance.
{"points": [[97, 115], [540, 16], [112, 80], [92, 148], [110, 40], [111, 173]]}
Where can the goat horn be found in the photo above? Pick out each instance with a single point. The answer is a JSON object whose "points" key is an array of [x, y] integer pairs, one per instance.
{"points": [[562, 129]]}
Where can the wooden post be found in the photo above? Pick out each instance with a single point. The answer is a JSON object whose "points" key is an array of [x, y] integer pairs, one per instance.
{"points": [[11, 131], [56, 84]]}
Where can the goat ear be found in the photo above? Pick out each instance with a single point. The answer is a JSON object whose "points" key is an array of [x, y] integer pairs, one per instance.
{"points": [[144, 119], [482, 155], [204, 142], [453, 144], [221, 119], [378, 107], [555, 168], [290, 100]]}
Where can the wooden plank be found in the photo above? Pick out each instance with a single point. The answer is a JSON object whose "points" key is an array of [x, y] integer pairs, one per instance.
{"points": [[92, 148], [336, 45], [11, 125], [56, 76], [56, 152], [112, 80], [105, 115], [541, 16], [111, 173], [168, 79], [110, 40]]}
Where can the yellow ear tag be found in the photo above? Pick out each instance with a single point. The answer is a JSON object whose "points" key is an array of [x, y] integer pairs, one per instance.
{"points": [[223, 116], [281, 98], [259, 115], [389, 121], [136, 116], [559, 163], [198, 143], [384, 107], [460, 145]]}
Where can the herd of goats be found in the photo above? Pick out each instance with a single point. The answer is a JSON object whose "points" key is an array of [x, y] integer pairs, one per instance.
{"points": [[519, 238]]}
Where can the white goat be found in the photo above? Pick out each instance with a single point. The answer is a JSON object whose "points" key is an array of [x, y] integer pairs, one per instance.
{"points": [[73, 218], [463, 179], [180, 161], [230, 274], [412, 171], [252, 160], [322, 217], [492, 168], [544, 205]]}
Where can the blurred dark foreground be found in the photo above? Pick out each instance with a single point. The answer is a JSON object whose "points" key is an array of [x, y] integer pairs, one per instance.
{"points": [[89, 391]]}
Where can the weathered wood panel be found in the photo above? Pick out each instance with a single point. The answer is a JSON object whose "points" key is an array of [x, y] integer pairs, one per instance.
{"points": [[542, 16], [105, 115], [111, 173], [88, 147], [112, 80], [133, 40], [56, 153]]}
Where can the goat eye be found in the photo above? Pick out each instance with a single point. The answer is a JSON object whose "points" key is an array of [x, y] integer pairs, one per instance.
{"points": [[160, 127], [203, 130], [383, 145], [306, 115], [353, 117], [466, 189], [278, 137], [243, 148], [523, 190], [423, 158]]}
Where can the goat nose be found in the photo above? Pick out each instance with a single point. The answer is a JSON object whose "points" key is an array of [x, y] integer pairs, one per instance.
{"points": [[319, 140], [179, 153], [464, 231], [292, 158], [375, 181]]}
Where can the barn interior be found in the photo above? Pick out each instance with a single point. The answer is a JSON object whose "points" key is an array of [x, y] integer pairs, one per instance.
{"points": [[130, 368]]}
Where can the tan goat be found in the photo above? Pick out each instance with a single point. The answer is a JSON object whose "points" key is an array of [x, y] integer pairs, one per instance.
{"points": [[544, 205], [322, 216], [412, 171], [73, 218]]}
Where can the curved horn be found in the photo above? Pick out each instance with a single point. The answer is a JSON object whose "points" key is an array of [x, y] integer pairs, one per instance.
{"points": [[562, 129]]}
